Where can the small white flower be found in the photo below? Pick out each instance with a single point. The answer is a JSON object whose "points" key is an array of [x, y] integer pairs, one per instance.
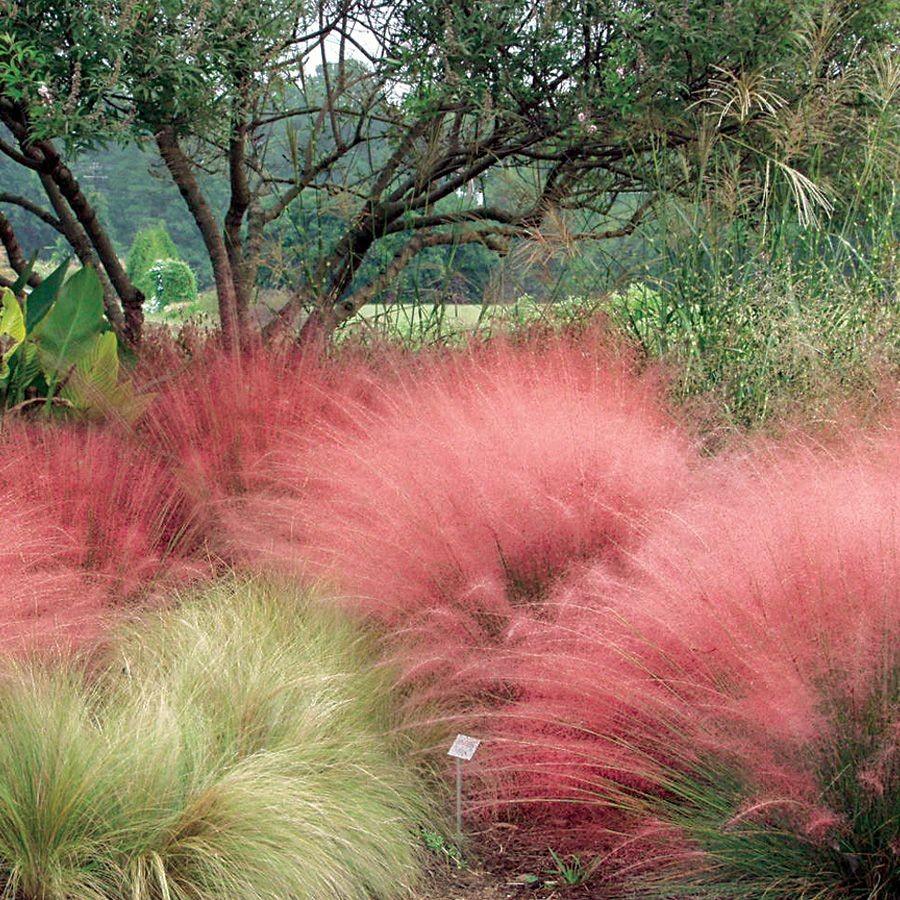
{"points": [[45, 93], [582, 116]]}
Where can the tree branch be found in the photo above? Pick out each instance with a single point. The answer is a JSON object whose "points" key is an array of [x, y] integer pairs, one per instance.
{"points": [[17, 157], [350, 305], [41, 213], [14, 252], [180, 168]]}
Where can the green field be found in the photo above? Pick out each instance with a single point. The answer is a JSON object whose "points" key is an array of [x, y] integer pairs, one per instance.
{"points": [[397, 318]]}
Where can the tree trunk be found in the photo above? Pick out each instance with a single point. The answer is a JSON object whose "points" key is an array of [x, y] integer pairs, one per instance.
{"points": [[243, 276], [182, 173], [318, 329], [79, 242], [80, 225], [132, 298], [14, 254], [234, 216]]}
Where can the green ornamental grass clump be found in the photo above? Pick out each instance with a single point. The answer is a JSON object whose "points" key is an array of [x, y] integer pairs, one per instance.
{"points": [[236, 747]]}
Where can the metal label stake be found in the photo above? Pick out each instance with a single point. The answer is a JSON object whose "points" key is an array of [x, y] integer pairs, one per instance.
{"points": [[463, 748]]}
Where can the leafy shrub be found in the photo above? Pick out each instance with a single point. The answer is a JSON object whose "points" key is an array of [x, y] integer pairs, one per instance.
{"points": [[56, 347], [236, 748], [447, 509], [173, 281], [722, 720], [150, 245]]}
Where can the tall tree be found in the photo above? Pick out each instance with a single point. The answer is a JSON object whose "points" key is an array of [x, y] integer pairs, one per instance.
{"points": [[387, 115], [59, 66]]}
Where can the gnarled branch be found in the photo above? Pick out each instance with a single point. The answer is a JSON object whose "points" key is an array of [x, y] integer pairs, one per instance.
{"points": [[14, 252], [44, 215]]}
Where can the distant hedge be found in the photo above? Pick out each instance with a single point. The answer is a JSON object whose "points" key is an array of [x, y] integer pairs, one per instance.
{"points": [[171, 281], [150, 245]]}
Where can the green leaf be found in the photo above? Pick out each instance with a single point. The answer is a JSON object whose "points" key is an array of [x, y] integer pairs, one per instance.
{"points": [[12, 329], [96, 373], [41, 298], [94, 387], [24, 370], [28, 367], [22, 281], [72, 324], [100, 365]]}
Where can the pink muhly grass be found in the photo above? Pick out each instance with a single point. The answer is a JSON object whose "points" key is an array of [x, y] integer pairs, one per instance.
{"points": [[218, 421], [123, 521], [739, 683], [450, 505], [215, 420], [45, 603]]}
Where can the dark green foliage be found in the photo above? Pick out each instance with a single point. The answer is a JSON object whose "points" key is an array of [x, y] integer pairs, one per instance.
{"points": [[487, 141], [131, 195], [138, 194]]}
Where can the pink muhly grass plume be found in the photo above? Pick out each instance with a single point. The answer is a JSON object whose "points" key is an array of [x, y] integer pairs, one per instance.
{"points": [[123, 522], [448, 508], [218, 422], [738, 682], [45, 603]]}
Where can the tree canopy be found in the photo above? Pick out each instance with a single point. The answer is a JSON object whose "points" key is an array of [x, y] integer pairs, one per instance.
{"points": [[379, 130]]}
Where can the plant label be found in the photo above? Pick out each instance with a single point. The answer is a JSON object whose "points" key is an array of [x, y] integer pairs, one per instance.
{"points": [[464, 747]]}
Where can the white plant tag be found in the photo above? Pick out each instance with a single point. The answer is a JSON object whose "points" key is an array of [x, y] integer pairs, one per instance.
{"points": [[464, 747]]}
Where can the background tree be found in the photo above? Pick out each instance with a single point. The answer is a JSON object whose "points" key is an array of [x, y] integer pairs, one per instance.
{"points": [[150, 244], [59, 68], [379, 132]]}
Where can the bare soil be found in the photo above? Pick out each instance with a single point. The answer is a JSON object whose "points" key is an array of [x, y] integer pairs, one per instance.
{"points": [[497, 869]]}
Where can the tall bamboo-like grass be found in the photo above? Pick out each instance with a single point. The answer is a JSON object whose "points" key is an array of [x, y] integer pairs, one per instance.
{"points": [[766, 327], [723, 722], [774, 286], [237, 747]]}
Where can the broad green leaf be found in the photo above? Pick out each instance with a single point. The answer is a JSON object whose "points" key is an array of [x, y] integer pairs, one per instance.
{"points": [[73, 323], [123, 403], [94, 387], [96, 373], [24, 368], [100, 364], [22, 280], [41, 298], [12, 329]]}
